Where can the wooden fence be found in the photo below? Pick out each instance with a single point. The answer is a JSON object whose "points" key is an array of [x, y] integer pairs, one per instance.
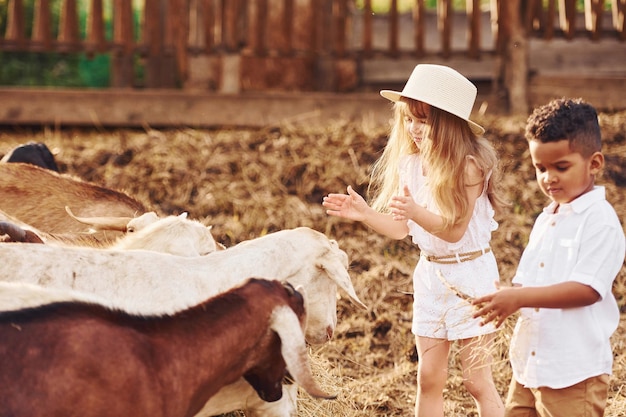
{"points": [[234, 46]]}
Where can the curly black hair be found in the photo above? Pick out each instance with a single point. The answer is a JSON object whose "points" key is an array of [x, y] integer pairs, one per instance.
{"points": [[566, 119]]}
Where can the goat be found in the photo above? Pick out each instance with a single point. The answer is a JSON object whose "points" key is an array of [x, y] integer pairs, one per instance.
{"points": [[196, 235], [175, 235], [109, 363], [39, 196], [22, 295], [35, 153], [147, 282]]}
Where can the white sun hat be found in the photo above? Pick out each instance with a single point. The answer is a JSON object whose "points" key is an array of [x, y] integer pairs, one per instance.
{"points": [[441, 87]]}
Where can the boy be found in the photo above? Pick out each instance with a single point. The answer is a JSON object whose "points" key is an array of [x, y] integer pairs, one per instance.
{"points": [[560, 351]]}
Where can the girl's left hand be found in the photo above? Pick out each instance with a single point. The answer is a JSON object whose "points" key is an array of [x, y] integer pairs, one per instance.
{"points": [[403, 207]]}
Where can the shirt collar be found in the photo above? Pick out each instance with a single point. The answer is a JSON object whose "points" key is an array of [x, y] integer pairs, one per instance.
{"points": [[580, 204]]}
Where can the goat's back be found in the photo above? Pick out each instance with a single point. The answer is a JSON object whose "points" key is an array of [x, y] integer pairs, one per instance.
{"points": [[39, 196]]}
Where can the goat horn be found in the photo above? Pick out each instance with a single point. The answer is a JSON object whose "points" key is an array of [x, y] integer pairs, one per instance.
{"points": [[102, 223], [286, 324]]}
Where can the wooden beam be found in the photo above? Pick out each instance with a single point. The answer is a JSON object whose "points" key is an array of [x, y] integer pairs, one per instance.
{"points": [[162, 108], [604, 93]]}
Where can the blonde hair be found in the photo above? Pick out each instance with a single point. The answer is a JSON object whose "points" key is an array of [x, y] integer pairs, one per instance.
{"points": [[446, 143]]}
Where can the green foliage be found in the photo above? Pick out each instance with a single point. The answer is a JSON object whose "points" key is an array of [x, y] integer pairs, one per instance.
{"points": [[21, 68]]}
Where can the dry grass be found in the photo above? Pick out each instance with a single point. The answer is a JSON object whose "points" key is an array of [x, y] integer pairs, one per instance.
{"points": [[250, 182]]}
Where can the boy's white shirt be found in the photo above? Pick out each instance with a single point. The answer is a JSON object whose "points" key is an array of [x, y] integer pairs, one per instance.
{"points": [[583, 242]]}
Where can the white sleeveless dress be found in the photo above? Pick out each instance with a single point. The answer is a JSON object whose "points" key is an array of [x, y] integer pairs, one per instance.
{"points": [[437, 311]]}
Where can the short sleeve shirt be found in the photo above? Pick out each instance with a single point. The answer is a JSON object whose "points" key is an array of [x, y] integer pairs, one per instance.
{"points": [[582, 242]]}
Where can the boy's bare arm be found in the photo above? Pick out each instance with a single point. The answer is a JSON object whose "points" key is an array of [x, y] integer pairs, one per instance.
{"points": [[507, 300]]}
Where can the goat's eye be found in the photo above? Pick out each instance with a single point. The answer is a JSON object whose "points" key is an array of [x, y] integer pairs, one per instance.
{"points": [[130, 230]]}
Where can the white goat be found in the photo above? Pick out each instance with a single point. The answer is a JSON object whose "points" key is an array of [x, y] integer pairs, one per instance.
{"points": [[150, 282], [176, 235]]}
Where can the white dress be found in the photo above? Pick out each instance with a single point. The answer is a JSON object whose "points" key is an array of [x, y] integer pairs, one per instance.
{"points": [[437, 310]]}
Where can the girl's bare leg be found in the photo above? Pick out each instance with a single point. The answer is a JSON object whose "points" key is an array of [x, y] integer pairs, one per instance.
{"points": [[476, 360], [432, 373]]}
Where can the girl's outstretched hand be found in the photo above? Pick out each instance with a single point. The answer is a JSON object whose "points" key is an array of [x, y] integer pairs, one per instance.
{"points": [[349, 206]]}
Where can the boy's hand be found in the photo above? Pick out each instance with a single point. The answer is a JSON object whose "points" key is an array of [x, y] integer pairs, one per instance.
{"points": [[497, 306], [349, 206]]}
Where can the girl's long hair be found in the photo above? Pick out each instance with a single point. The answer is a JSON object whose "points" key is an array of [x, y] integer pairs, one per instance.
{"points": [[447, 141]]}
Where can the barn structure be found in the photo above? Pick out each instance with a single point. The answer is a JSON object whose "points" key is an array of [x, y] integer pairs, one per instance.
{"points": [[220, 62]]}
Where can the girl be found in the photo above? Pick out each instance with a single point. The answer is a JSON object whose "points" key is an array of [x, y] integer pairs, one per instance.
{"points": [[435, 182]]}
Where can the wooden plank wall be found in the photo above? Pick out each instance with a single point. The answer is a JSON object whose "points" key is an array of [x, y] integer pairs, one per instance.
{"points": [[209, 48]]}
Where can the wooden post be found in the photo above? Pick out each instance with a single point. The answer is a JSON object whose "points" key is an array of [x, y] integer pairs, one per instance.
{"points": [[550, 18], [175, 60], [367, 29], [516, 59], [594, 9], [15, 24], [42, 29], [324, 74], [567, 17], [394, 29], [618, 10], [444, 23], [419, 21], [202, 72], [473, 12], [122, 70], [68, 30], [159, 43], [287, 20], [257, 34], [95, 28], [534, 16]]}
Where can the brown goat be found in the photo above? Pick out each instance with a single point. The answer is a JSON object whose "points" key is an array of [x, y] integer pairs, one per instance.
{"points": [[82, 359], [38, 197]]}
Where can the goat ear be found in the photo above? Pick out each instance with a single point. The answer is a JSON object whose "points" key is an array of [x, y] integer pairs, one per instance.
{"points": [[293, 349], [267, 391], [32, 237], [342, 279], [183, 215]]}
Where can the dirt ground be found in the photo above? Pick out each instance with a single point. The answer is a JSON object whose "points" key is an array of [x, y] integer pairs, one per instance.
{"points": [[247, 183]]}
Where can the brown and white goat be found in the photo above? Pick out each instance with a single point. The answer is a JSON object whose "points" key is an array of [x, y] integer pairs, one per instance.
{"points": [[84, 359]]}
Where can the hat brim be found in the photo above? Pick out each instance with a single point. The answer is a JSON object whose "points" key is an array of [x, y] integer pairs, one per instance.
{"points": [[396, 95]]}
